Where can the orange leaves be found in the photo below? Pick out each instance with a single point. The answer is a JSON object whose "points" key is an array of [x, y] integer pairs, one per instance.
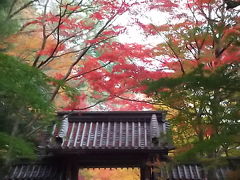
{"points": [[71, 7], [59, 76], [200, 3], [59, 65], [164, 27], [31, 22], [106, 174], [25, 45], [51, 48]]}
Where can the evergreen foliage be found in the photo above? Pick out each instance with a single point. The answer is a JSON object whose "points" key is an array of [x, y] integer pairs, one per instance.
{"points": [[23, 89], [208, 110], [19, 148], [24, 108], [7, 26]]}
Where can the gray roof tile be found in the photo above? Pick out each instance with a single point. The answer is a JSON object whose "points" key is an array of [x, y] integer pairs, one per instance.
{"points": [[110, 131], [34, 172]]}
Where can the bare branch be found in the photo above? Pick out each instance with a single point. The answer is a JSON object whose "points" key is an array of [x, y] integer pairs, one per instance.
{"points": [[81, 56], [174, 52], [19, 9], [92, 70], [44, 41], [139, 101]]}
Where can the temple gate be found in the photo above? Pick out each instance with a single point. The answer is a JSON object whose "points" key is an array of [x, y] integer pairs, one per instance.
{"points": [[107, 140], [102, 140]]}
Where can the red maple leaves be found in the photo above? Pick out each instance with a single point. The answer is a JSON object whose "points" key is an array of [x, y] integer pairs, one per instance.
{"points": [[112, 68]]}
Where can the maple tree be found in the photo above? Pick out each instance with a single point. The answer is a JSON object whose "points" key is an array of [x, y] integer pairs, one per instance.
{"points": [[200, 51], [82, 36]]}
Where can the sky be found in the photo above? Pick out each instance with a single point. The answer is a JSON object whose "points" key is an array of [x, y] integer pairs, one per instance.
{"points": [[134, 34]]}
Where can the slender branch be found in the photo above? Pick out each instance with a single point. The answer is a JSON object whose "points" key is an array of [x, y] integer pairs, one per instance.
{"points": [[190, 50], [80, 57], [20, 9], [11, 8], [223, 49], [93, 105], [58, 35], [135, 100], [82, 74], [178, 59], [44, 36], [174, 52], [194, 16], [51, 58]]}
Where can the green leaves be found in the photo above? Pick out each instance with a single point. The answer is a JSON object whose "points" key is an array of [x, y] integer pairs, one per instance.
{"points": [[25, 108], [199, 77], [7, 26], [23, 84], [208, 109], [24, 97], [15, 147]]}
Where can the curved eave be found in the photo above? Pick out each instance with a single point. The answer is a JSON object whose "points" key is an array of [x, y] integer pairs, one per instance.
{"points": [[107, 150]]}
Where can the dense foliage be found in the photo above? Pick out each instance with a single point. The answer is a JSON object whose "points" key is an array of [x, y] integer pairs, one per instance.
{"points": [[201, 53], [75, 43], [24, 97]]}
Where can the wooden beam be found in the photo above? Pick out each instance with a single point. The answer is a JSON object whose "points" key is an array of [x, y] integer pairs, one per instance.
{"points": [[146, 173]]}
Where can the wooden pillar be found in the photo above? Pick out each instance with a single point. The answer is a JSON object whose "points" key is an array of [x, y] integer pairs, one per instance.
{"points": [[72, 172], [146, 173]]}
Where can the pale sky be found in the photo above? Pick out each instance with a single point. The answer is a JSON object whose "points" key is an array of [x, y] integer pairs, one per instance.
{"points": [[135, 34]]}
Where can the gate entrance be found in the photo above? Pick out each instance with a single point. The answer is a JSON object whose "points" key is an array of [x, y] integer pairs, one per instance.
{"points": [[106, 140]]}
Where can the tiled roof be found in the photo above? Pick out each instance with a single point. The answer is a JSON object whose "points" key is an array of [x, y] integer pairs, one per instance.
{"points": [[181, 172], [35, 172], [191, 172], [111, 130]]}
